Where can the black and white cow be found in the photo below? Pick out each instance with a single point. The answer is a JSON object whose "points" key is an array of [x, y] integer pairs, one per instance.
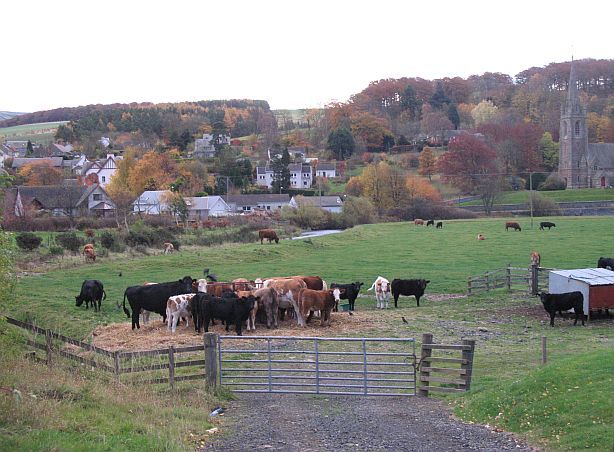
{"points": [[153, 297], [349, 292], [92, 291], [408, 287], [554, 302]]}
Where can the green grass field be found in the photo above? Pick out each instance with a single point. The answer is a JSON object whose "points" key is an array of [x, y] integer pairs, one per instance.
{"points": [[507, 327], [42, 133], [582, 194]]}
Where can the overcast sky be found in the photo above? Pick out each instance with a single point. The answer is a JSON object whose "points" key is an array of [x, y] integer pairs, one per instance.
{"points": [[294, 54]]}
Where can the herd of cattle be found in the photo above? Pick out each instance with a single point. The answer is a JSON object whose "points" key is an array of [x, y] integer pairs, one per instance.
{"points": [[243, 302]]}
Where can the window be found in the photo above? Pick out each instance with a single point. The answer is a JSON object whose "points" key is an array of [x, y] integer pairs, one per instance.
{"points": [[565, 129], [595, 167], [304, 182], [97, 197], [577, 128], [268, 207], [578, 163], [104, 178]]}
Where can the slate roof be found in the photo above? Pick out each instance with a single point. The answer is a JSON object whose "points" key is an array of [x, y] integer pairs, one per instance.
{"points": [[56, 196], [603, 153], [56, 162], [255, 199]]}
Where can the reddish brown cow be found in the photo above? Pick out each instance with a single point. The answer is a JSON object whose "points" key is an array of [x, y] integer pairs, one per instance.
{"points": [[89, 253], [313, 282], [512, 225], [217, 288], [318, 300], [287, 293], [419, 222], [268, 234]]}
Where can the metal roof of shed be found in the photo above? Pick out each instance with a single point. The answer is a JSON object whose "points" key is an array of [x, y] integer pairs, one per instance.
{"points": [[590, 276]]}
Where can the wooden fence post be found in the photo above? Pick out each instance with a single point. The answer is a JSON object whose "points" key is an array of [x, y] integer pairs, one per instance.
{"points": [[534, 279], [211, 340], [171, 366], [544, 350], [467, 365], [116, 364], [508, 277], [469, 286], [487, 282], [427, 338], [48, 344]]}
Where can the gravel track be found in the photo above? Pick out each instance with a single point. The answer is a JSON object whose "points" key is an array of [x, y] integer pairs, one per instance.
{"points": [[322, 423]]}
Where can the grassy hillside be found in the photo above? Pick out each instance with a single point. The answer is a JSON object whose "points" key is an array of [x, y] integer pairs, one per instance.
{"points": [[568, 402], [42, 133], [8, 115], [582, 194]]}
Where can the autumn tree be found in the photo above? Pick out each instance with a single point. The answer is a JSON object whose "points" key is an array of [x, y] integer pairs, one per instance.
{"points": [[375, 182], [154, 171], [485, 111], [427, 162], [354, 186], [434, 122], [418, 188], [370, 130], [40, 173], [549, 150], [470, 165]]}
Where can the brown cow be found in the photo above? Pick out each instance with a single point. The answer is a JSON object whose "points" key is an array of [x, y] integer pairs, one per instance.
{"points": [[89, 253], [287, 292], [267, 301], [513, 225], [318, 300], [419, 222], [268, 234], [217, 288], [535, 258], [243, 284], [313, 282]]}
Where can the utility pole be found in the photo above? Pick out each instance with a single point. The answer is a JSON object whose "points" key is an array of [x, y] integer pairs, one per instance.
{"points": [[531, 195]]}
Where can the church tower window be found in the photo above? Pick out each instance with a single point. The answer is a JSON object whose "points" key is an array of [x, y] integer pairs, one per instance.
{"points": [[565, 129], [577, 128]]}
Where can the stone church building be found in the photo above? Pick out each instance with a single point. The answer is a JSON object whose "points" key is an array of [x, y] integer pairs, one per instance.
{"points": [[582, 164]]}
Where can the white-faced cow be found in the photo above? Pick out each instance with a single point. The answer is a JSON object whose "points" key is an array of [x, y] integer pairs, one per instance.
{"points": [[349, 292], [92, 291], [153, 298], [408, 287], [382, 292]]}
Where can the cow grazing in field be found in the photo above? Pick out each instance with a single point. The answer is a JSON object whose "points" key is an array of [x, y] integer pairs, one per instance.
{"points": [[430, 223], [439, 225], [562, 302], [230, 310], [419, 222], [512, 225], [287, 293], [318, 300], [89, 253], [546, 224], [481, 237], [605, 262], [408, 287], [269, 234], [178, 306], [349, 292], [92, 291], [535, 259], [168, 248], [153, 297], [382, 292], [313, 282]]}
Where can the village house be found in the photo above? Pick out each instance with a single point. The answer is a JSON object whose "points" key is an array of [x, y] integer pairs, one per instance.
{"points": [[104, 169], [203, 207], [205, 147], [152, 202], [302, 175], [332, 204], [251, 203]]}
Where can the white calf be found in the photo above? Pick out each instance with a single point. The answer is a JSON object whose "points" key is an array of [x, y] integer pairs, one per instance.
{"points": [[382, 292], [178, 306]]}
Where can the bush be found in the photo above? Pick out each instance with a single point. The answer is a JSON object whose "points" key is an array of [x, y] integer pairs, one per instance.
{"points": [[28, 241], [55, 250], [107, 239], [553, 182], [357, 211], [543, 206], [70, 241]]}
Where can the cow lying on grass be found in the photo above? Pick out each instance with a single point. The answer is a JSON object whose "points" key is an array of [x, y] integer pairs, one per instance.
{"points": [[554, 302]]}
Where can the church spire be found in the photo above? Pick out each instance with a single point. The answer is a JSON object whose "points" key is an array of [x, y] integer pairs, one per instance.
{"points": [[572, 89]]}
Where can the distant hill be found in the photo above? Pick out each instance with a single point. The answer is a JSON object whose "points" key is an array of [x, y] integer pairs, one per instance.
{"points": [[9, 114]]}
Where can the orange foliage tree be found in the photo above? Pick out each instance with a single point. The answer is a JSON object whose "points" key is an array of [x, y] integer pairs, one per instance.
{"points": [[40, 173], [418, 188], [154, 171]]}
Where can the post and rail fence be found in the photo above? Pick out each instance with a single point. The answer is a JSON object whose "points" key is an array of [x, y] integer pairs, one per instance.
{"points": [[530, 280], [344, 366]]}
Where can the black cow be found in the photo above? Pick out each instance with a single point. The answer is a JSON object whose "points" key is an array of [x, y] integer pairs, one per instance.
{"points": [[605, 262], [439, 225], [349, 292], [546, 224], [153, 297], [430, 223], [231, 310], [554, 302], [408, 287], [92, 291]]}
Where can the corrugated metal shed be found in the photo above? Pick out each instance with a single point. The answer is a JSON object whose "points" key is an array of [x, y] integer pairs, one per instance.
{"points": [[596, 285]]}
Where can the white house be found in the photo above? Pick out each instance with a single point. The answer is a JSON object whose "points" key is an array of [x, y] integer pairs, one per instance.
{"points": [[203, 207], [332, 204], [326, 170], [251, 203], [205, 146], [152, 202], [104, 169], [301, 174]]}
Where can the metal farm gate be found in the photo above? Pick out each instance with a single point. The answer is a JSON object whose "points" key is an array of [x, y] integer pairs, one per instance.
{"points": [[318, 365]]}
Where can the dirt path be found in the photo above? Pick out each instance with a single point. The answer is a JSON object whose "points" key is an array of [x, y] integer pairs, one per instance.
{"points": [[320, 423]]}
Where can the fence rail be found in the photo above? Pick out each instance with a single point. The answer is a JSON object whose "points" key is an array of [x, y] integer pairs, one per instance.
{"points": [[530, 280], [447, 379]]}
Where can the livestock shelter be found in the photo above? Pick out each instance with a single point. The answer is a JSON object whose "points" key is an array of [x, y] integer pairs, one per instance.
{"points": [[596, 284]]}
